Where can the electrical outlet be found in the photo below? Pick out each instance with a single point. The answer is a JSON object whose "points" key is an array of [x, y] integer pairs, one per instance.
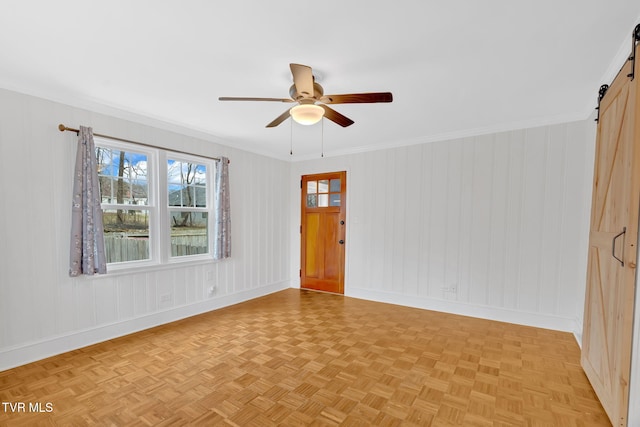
{"points": [[165, 298], [212, 290]]}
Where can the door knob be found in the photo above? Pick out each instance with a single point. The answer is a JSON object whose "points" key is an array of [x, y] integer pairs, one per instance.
{"points": [[341, 241]]}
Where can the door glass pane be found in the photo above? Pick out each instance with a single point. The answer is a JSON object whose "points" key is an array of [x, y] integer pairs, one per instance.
{"points": [[323, 186], [323, 200], [312, 187], [334, 187], [334, 199], [312, 200]]}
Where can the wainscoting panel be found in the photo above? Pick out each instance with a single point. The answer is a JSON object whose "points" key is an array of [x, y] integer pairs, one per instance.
{"points": [[493, 225], [43, 311]]}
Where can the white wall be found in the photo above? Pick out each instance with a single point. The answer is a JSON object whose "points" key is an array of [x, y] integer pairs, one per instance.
{"points": [[42, 310], [502, 218]]}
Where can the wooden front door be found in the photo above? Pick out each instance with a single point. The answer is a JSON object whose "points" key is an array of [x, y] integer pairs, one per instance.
{"points": [[611, 275], [323, 231]]}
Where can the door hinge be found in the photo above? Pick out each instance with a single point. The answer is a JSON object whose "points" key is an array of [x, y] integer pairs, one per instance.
{"points": [[301, 229], [300, 183], [300, 272]]}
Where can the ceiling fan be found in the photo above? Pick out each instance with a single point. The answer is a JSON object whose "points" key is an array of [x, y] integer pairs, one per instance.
{"points": [[312, 102]]}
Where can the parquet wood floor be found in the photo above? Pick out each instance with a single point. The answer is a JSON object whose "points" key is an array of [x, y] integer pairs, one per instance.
{"points": [[299, 358]]}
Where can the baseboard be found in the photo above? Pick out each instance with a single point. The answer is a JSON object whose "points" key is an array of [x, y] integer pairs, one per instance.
{"points": [[38, 350], [537, 320], [577, 333]]}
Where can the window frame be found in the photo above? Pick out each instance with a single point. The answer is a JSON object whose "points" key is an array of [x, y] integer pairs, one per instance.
{"points": [[158, 205], [210, 165]]}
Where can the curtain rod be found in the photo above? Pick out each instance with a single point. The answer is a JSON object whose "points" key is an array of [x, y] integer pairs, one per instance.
{"points": [[63, 128]]}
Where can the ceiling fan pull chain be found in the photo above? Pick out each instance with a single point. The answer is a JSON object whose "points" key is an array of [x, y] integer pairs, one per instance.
{"points": [[291, 138], [322, 138]]}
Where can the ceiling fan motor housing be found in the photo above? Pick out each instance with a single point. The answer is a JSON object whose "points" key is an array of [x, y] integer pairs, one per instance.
{"points": [[306, 98]]}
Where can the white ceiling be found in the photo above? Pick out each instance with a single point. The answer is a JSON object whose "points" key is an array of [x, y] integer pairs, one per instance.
{"points": [[455, 68]]}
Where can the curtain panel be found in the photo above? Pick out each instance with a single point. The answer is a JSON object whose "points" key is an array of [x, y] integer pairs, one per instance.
{"points": [[87, 232], [222, 245]]}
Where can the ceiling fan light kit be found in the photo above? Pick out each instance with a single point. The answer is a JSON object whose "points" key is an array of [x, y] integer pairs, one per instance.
{"points": [[312, 102], [307, 114]]}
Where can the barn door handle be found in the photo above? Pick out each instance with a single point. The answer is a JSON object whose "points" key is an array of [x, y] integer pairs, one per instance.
{"points": [[613, 246]]}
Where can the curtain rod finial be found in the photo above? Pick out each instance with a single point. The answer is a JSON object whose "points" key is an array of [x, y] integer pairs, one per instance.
{"points": [[62, 127]]}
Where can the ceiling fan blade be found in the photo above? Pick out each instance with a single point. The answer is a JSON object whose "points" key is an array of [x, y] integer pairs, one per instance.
{"points": [[336, 117], [234, 98], [302, 79], [357, 98], [281, 118]]}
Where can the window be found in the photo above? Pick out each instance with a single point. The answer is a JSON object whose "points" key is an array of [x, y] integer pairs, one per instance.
{"points": [[156, 205], [189, 214]]}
